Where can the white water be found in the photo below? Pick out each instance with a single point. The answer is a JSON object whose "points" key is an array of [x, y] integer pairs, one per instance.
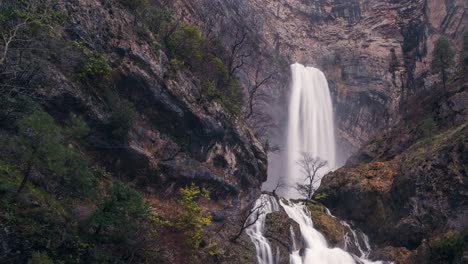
{"points": [[310, 129], [255, 232], [310, 125]]}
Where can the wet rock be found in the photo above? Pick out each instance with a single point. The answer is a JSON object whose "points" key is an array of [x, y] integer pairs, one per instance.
{"points": [[399, 255], [278, 229], [329, 226]]}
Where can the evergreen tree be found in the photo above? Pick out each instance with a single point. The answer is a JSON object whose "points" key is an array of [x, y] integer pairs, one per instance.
{"points": [[40, 142], [442, 58]]}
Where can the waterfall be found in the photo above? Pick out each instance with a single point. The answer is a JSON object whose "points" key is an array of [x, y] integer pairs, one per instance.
{"points": [[310, 130], [310, 125], [266, 204]]}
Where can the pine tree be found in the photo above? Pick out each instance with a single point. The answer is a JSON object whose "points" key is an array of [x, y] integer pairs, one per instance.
{"points": [[442, 58]]}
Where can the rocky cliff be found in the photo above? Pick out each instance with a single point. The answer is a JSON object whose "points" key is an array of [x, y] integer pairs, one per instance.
{"points": [[374, 53], [146, 123], [408, 188]]}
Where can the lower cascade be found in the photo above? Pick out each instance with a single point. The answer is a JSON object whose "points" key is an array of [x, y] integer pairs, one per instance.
{"points": [[311, 131], [316, 249]]}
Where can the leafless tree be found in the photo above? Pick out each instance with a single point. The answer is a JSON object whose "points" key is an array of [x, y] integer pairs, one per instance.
{"points": [[250, 217], [310, 166], [255, 92], [19, 45], [238, 53], [280, 184]]}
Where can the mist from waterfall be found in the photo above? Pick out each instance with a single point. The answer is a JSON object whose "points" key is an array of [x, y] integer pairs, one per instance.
{"points": [[310, 125]]}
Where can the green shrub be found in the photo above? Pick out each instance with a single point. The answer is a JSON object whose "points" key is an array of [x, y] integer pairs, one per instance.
{"points": [[40, 258], [450, 247], [122, 118], [187, 45], [77, 127], [120, 212], [192, 219], [42, 146], [157, 20], [95, 68]]}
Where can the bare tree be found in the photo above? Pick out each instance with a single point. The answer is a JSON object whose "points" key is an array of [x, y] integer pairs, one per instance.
{"points": [[237, 52], [19, 48], [310, 166], [280, 184], [255, 89], [250, 217]]}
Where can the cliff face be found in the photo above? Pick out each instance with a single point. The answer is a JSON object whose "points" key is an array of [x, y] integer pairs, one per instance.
{"points": [[408, 187], [149, 127], [175, 138], [374, 53]]}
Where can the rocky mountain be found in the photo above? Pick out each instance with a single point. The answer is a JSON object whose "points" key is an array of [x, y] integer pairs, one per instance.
{"points": [[137, 131], [374, 53]]}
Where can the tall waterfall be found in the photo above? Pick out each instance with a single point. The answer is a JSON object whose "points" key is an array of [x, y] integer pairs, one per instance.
{"points": [[311, 130], [310, 125]]}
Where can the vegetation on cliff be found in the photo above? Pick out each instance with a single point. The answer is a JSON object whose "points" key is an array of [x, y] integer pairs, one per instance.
{"points": [[71, 100]]}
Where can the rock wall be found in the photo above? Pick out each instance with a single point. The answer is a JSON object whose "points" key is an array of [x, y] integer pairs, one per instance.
{"points": [[408, 187], [374, 53], [175, 138]]}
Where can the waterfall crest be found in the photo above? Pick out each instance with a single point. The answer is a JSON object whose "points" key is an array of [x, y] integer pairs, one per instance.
{"points": [[310, 125]]}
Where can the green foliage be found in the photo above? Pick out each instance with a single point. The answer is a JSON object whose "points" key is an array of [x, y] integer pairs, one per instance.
{"points": [[120, 211], [192, 219], [428, 127], [95, 68], [157, 20], [42, 146], [187, 45], [40, 258], [77, 127], [320, 196], [450, 247], [442, 58], [122, 115]]}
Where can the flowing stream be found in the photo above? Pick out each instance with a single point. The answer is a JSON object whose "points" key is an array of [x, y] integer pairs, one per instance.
{"points": [[310, 130]]}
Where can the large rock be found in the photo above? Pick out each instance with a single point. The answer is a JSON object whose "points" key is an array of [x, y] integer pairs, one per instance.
{"points": [[279, 230]]}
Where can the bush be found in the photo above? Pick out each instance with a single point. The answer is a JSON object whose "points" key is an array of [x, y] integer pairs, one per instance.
{"points": [[42, 146], [192, 219], [187, 45], [40, 258], [450, 247], [121, 120], [95, 68], [77, 127], [120, 212]]}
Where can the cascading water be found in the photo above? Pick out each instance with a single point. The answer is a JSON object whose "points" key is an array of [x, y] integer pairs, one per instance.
{"points": [[265, 204], [310, 125], [310, 130]]}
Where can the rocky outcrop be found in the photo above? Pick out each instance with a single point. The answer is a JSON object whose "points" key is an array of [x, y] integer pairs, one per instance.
{"points": [[413, 179], [279, 230]]}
